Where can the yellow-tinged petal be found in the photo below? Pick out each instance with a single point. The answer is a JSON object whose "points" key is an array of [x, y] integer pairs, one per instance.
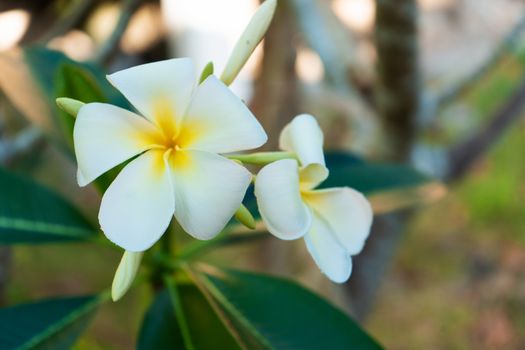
{"points": [[159, 90], [208, 191], [125, 274], [279, 200], [218, 121], [138, 206], [347, 213], [331, 257], [304, 137], [105, 136]]}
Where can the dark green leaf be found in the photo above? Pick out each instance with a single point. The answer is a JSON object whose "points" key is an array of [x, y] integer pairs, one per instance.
{"points": [[160, 329], [30, 213], [59, 76], [45, 64], [77, 82], [348, 170], [51, 324], [274, 313]]}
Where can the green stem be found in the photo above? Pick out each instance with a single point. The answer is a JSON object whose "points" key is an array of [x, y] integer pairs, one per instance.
{"points": [[262, 158], [179, 311], [198, 247]]}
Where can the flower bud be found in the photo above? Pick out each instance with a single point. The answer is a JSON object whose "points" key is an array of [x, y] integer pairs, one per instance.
{"points": [[249, 40], [126, 271], [69, 105], [206, 72], [244, 216]]}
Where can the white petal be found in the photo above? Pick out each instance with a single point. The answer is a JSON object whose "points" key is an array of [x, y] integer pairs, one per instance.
{"points": [[304, 137], [279, 200], [208, 191], [138, 206], [347, 212], [105, 136], [218, 121], [332, 258], [159, 89]]}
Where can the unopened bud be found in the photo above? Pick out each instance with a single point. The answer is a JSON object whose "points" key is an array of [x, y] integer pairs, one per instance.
{"points": [[69, 105], [244, 216], [249, 40], [206, 72], [126, 271]]}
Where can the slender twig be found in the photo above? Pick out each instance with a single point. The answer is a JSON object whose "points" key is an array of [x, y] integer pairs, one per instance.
{"points": [[463, 155], [24, 143], [316, 22], [109, 47], [463, 85], [69, 20]]}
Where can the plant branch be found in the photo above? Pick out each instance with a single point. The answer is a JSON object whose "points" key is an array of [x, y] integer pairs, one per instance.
{"points": [[322, 31], [262, 158], [463, 85], [20, 146], [464, 155], [69, 20], [109, 47]]}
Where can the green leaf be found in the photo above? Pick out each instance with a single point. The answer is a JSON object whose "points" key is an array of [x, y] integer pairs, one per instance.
{"points": [[274, 313], [30, 213], [77, 82], [348, 170], [50, 324], [45, 64], [59, 76], [160, 329]]}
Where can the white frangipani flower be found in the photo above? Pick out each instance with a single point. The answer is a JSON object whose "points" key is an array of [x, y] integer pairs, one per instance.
{"points": [[335, 222], [177, 169]]}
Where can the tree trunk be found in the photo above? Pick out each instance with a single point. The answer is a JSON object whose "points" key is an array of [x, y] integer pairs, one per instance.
{"points": [[398, 96]]}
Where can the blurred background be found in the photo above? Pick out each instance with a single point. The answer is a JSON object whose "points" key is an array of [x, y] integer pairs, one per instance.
{"points": [[439, 84]]}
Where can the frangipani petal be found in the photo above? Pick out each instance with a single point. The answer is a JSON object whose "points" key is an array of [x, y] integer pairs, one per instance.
{"points": [[208, 190], [304, 137], [331, 257], [347, 213], [279, 200], [161, 91], [312, 175], [218, 121], [105, 136], [138, 206]]}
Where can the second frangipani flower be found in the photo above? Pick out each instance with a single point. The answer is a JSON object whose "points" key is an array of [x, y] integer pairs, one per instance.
{"points": [[334, 222], [177, 169]]}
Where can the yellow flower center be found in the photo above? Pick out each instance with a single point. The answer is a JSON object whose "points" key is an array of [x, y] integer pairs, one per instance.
{"points": [[165, 119]]}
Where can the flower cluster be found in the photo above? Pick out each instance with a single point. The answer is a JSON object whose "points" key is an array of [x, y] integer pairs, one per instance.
{"points": [[179, 162], [334, 222]]}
